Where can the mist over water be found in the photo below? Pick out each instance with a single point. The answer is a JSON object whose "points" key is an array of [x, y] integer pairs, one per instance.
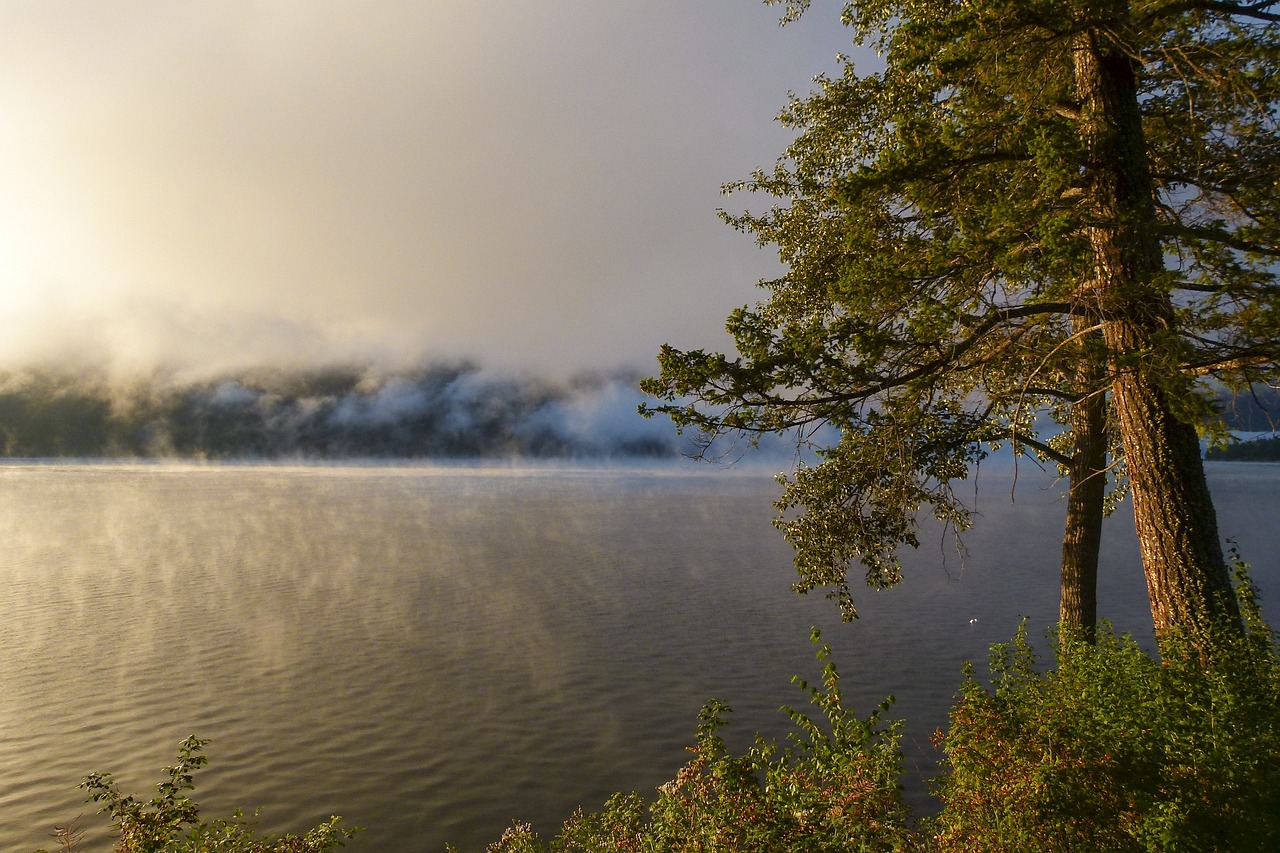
{"points": [[340, 411], [433, 651]]}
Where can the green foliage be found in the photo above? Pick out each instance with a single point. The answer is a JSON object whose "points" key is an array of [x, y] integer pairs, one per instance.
{"points": [[1111, 750], [170, 821], [859, 505], [946, 222], [832, 787], [1114, 750]]}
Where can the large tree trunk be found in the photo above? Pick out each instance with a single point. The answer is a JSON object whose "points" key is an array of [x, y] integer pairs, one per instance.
{"points": [[1187, 577]]}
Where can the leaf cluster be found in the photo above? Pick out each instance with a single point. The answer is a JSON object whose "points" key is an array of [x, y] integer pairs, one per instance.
{"points": [[170, 821]]}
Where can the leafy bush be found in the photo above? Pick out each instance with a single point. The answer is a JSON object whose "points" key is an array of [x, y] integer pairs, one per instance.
{"points": [[833, 787], [1114, 750], [157, 826], [1111, 750]]}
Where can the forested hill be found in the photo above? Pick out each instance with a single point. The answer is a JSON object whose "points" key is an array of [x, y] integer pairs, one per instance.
{"points": [[1253, 450], [437, 411], [454, 410], [1256, 412]]}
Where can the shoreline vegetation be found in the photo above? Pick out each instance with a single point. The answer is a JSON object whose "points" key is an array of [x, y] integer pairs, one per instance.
{"points": [[1263, 449], [1111, 749], [170, 821], [1108, 748]]}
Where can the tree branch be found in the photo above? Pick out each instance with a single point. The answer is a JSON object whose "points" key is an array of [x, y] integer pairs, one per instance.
{"points": [[1039, 447], [1223, 238], [1256, 11], [880, 384]]}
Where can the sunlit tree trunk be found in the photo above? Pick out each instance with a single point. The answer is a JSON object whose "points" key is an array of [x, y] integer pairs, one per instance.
{"points": [[1187, 577]]}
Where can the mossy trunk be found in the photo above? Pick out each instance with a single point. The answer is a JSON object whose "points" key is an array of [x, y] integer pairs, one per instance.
{"points": [[1187, 577]]}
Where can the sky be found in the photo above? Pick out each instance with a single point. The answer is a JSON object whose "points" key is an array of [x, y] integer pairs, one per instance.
{"points": [[218, 184]]}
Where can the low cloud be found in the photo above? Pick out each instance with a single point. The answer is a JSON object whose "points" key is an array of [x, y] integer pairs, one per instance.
{"points": [[442, 410]]}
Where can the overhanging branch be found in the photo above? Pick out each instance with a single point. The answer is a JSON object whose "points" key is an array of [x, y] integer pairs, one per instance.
{"points": [[1254, 11]]}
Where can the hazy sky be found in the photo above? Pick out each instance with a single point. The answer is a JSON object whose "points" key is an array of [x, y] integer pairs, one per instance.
{"points": [[530, 184]]}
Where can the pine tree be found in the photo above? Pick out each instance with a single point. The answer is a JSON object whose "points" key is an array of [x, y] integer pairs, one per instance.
{"points": [[1035, 214]]}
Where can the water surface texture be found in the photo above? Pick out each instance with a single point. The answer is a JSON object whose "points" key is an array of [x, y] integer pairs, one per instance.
{"points": [[433, 652]]}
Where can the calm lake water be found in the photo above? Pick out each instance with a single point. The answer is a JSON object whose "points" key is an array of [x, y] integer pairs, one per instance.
{"points": [[432, 652]]}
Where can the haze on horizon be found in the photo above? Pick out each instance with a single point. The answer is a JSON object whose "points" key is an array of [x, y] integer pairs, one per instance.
{"points": [[530, 185]]}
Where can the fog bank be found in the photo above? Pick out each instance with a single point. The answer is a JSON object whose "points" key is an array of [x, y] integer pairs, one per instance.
{"points": [[336, 412]]}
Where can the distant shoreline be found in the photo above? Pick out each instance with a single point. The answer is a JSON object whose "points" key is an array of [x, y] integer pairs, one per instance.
{"points": [[1263, 449]]}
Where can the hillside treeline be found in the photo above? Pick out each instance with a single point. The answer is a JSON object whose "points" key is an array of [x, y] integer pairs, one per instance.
{"points": [[1254, 450], [336, 412], [438, 411]]}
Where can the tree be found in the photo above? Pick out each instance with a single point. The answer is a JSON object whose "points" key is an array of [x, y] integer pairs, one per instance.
{"points": [[1036, 213]]}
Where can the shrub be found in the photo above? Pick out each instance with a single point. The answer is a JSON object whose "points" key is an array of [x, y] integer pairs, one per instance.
{"points": [[832, 787], [170, 821], [1115, 750], [1111, 750]]}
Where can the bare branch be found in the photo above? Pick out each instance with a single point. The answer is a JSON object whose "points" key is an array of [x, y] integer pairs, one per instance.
{"points": [[1040, 447], [1223, 238]]}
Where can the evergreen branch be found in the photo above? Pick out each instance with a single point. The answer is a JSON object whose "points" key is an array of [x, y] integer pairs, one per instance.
{"points": [[1223, 238], [1252, 288], [1256, 11], [1243, 358], [878, 384]]}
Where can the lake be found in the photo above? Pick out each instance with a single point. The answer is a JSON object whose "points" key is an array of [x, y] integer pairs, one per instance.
{"points": [[434, 651]]}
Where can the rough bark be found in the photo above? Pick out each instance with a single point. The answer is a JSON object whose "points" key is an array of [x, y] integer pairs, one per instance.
{"points": [[1082, 536], [1187, 577]]}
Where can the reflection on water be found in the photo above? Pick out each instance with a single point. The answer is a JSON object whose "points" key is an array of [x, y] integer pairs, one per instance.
{"points": [[432, 652]]}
